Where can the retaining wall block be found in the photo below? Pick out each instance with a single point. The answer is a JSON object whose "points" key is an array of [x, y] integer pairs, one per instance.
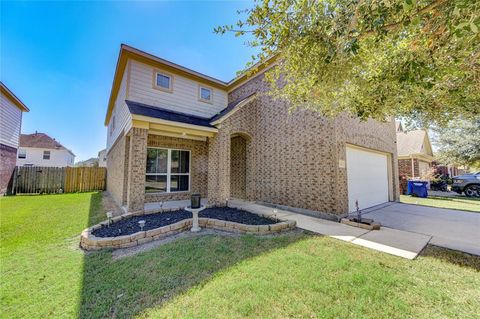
{"points": [[252, 228], [138, 235], [121, 240], [104, 242]]}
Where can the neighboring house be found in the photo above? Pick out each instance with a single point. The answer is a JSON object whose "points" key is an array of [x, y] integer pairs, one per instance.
{"points": [[445, 170], [91, 162], [39, 149], [415, 155], [10, 127], [102, 158], [173, 132]]}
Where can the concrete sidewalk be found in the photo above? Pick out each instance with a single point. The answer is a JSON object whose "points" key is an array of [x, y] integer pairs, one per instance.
{"points": [[396, 242]]}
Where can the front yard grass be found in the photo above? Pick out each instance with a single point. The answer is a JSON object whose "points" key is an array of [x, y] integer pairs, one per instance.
{"points": [[45, 274], [462, 203]]}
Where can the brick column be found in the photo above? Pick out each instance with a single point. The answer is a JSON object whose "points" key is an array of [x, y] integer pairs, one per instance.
{"points": [[137, 158], [219, 169], [8, 158]]}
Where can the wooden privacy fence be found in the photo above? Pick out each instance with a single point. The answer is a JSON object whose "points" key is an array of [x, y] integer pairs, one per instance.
{"points": [[50, 180]]}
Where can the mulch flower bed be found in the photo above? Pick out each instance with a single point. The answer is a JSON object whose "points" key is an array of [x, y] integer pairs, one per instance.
{"points": [[130, 226], [235, 215]]}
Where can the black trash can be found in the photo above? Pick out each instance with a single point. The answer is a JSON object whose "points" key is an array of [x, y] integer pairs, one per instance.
{"points": [[195, 201]]}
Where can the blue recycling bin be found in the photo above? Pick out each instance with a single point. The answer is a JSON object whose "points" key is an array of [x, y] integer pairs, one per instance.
{"points": [[417, 188]]}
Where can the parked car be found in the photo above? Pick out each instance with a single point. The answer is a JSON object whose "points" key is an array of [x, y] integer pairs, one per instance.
{"points": [[468, 184]]}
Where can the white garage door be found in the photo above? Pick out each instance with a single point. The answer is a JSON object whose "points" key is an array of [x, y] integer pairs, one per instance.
{"points": [[367, 174]]}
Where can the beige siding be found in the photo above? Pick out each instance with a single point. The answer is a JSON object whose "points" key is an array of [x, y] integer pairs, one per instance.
{"points": [[120, 112], [10, 123], [184, 97]]}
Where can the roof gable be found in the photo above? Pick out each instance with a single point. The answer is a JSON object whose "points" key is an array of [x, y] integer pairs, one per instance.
{"points": [[41, 140], [12, 97], [130, 53], [413, 142]]}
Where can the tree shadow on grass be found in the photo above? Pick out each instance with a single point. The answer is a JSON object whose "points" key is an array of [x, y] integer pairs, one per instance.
{"points": [[125, 287], [451, 256]]}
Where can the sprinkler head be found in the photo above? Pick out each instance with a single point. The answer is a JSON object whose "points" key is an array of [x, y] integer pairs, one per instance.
{"points": [[141, 224]]}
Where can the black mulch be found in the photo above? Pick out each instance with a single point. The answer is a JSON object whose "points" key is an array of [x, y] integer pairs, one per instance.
{"points": [[235, 215], [152, 221]]}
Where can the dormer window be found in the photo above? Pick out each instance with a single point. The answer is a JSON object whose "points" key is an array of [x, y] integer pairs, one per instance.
{"points": [[163, 81], [205, 94]]}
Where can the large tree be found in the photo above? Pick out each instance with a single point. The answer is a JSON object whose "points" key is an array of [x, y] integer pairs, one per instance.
{"points": [[373, 58], [459, 143]]}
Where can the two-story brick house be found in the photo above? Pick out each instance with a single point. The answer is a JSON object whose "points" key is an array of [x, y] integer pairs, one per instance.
{"points": [[173, 131], [11, 111]]}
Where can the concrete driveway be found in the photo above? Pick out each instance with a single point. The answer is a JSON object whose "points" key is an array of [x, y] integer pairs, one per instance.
{"points": [[454, 229]]}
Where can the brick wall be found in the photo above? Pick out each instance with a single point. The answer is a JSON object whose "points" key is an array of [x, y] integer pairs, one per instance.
{"points": [[293, 156], [198, 166], [116, 171], [405, 167], [8, 159], [238, 167], [137, 158]]}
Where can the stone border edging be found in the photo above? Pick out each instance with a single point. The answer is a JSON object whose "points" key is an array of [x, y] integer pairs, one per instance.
{"points": [[88, 241]]}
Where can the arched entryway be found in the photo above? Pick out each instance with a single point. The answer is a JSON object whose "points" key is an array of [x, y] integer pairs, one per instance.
{"points": [[238, 165]]}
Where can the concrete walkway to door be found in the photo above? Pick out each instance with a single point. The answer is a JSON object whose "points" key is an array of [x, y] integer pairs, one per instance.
{"points": [[396, 242], [449, 228]]}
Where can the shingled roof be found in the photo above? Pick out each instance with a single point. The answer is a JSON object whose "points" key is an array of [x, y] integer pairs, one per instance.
{"points": [[412, 142], [164, 114], [169, 115], [41, 140]]}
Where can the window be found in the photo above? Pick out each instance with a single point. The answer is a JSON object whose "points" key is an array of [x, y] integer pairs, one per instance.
{"points": [[163, 81], [167, 171], [22, 153], [46, 155], [205, 94]]}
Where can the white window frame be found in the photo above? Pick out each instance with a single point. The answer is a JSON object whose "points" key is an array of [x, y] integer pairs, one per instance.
{"points": [[169, 168], [24, 151], [200, 87], [161, 88], [49, 155]]}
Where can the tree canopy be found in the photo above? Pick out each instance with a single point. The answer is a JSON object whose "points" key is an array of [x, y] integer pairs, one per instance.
{"points": [[372, 58], [459, 143]]}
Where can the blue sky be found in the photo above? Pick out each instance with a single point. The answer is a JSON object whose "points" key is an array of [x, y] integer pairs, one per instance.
{"points": [[59, 57]]}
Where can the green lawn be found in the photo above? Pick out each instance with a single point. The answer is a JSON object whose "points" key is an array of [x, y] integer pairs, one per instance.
{"points": [[45, 275], [463, 203]]}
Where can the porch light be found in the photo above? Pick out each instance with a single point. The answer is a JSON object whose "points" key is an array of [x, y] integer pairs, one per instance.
{"points": [[141, 224]]}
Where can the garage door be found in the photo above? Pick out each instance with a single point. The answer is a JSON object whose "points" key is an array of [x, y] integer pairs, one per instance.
{"points": [[367, 174]]}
